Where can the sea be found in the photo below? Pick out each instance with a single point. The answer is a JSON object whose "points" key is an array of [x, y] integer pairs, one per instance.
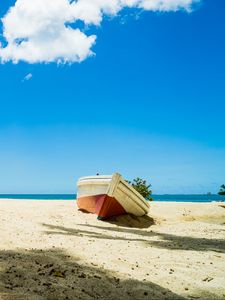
{"points": [[165, 198]]}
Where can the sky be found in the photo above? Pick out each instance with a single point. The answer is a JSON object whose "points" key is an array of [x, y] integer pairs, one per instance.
{"points": [[132, 86]]}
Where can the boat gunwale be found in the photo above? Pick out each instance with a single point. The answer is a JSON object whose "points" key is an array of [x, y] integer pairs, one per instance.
{"points": [[95, 177]]}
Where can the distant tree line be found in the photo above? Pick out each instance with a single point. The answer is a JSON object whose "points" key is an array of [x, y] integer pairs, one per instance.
{"points": [[144, 189], [222, 190]]}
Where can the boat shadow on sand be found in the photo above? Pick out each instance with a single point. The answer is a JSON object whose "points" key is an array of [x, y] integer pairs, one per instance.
{"points": [[131, 221], [128, 220]]}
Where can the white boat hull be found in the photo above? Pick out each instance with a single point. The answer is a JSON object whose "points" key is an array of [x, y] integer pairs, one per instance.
{"points": [[107, 196]]}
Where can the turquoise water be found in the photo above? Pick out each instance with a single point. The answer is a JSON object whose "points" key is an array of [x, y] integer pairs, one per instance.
{"points": [[189, 198], [39, 196], [174, 198]]}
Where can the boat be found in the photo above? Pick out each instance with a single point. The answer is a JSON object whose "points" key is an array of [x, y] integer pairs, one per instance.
{"points": [[109, 195]]}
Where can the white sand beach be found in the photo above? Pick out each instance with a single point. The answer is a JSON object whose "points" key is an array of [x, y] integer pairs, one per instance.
{"points": [[50, 250]]}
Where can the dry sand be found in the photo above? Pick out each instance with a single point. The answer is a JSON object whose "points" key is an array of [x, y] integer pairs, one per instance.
{"points": [[50, 250]]}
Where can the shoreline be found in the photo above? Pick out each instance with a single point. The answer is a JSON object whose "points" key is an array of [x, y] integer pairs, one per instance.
{"points": [[50, 250], [154, 201]]}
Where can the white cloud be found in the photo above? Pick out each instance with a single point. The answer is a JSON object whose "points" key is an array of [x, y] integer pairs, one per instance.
{"points": [[40, 30], [27, 77]]}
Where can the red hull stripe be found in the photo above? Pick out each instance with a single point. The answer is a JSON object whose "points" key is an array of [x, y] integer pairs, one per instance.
{"points": [[101, 205]]}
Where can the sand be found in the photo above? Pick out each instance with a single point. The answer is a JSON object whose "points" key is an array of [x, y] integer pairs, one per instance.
{"points": [[50, 250]]}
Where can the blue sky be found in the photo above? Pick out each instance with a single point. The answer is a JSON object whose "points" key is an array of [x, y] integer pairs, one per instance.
{"points": [[149, 103]]}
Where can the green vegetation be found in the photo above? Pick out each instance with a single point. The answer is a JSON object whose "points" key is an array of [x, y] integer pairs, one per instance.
{"points": [[222, 190], [142, 187]]}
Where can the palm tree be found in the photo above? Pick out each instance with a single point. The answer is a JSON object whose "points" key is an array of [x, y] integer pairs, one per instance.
{"points": [[222, 190]]}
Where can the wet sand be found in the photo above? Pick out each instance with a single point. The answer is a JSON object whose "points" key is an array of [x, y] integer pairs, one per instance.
{"points": [[50, 250]]}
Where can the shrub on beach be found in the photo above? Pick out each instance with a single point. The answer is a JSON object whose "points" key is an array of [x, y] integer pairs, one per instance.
{"points": [[222, 190], [142, 187]]}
